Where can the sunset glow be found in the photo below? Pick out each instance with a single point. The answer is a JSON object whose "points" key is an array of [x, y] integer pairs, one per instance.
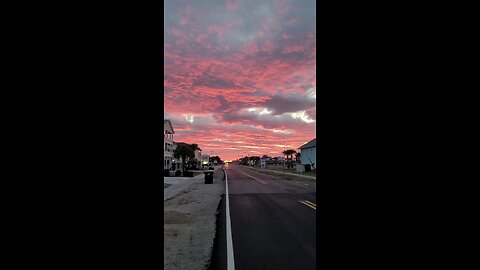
{"points": [[240, 76]]}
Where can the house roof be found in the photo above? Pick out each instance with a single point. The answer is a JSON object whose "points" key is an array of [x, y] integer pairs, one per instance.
{"points": [[311, 143], [167, 125]]}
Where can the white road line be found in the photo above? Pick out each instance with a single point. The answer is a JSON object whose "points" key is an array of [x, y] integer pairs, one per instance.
{"points": [[230, 260], [263, 182]]}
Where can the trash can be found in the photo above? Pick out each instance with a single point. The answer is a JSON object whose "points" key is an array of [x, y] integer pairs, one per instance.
{"points": [[208, 177], [307, 167]]}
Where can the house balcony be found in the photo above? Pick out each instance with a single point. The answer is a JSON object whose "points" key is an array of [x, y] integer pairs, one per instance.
{"points": [[168, 154], [168, 140]]}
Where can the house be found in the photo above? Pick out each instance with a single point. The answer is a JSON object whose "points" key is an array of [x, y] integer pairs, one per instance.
{"points": [[167, 144], [177, 163], [308, 153], [198, 157], [263, 161]]}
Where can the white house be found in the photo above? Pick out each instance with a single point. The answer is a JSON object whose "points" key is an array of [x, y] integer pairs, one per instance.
{"points": [[263, 162], [308, 153], [198, 156], [177, 163], [167, 144]]}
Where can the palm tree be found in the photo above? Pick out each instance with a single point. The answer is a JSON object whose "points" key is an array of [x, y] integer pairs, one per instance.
{"points": [[298, 156], [290, 153]]}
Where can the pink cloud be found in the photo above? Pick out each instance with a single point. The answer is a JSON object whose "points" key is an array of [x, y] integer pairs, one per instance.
{"points": [[219, 30], [269, 46], [292, 49], [282, 7], [251, 48], [221, 61], [201, 38], [232, 5]]}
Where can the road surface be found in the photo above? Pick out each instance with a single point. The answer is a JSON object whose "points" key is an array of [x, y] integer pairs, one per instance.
{"points": [[273, 222]]}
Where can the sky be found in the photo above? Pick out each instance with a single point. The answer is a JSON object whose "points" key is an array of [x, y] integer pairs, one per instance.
{"points": [[240, 75]]}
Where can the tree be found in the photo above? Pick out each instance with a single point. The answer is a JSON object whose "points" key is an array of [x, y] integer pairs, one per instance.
{"points": [[298, 156], [245, 160], [195, 147], [255, 159], [275, 160], [290, 153], [217, 159], [184, 151], [193, 163]]}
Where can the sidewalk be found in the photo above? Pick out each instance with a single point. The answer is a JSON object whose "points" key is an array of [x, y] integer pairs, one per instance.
{"points": [[281, 172], [190, 223]]}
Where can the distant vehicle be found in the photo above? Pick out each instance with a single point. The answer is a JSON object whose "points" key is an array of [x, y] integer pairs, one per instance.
{"points": [[205, 160]]}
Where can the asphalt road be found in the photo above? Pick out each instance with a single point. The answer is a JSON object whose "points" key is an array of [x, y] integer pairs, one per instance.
{"points": [[273, 222]]}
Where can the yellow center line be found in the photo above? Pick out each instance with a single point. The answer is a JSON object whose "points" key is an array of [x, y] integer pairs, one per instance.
{"points": [[309, 204]]}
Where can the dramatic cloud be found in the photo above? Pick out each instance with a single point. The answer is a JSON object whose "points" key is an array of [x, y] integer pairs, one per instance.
{"points": [[240, 75]]}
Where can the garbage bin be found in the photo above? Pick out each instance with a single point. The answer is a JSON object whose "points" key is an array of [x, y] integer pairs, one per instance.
{"points": [[208, 177], [307, 167]]}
